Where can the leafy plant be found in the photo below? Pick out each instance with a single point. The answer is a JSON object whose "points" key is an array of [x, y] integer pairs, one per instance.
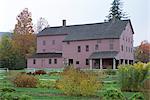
{"points": [[46, 84], [76, 82], [23, 80], [113, 94], [7, 90], [137, 96], [131, 77]]}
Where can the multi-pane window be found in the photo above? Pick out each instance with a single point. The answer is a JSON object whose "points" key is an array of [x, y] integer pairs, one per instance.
{"points": [[53, 42], [77, 62], [68, 42], [87, 61], [87, 48], [50, 61], [44, 50], [121, 47], [126, 49], [111, 46], [34, 61], [79, 48], [96, 47], [44, 42], [55, 61]]}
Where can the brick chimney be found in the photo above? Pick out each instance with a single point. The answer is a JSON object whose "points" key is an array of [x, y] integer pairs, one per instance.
{"points": [[64, 23]]}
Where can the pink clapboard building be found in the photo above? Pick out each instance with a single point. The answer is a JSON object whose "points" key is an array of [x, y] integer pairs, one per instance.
{"points": [[94, 46]]}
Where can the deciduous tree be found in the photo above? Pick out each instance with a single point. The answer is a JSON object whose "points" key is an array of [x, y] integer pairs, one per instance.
{"points": [[142, 52]]}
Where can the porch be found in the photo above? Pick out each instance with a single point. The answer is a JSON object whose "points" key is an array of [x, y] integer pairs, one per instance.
{"points": [[106, 60]]}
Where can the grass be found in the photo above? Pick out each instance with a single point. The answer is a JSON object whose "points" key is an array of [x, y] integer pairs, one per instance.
{"points": [[56, 94]]}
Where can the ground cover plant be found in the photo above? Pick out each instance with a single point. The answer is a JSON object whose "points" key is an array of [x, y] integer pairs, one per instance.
{"points": [[46, 88]]}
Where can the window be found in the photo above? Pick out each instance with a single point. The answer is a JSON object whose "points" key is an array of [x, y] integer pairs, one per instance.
{"points": [[87, 61], [44, 42], [96, 47], [55, 61], [77, 62], [111, 46], [68, 42], [50, 61], [53, 42], [121, 47], [126, 49], [87, 48], [79, 49], [34, 61], [98, 41], [126, 39], [44, 50]]}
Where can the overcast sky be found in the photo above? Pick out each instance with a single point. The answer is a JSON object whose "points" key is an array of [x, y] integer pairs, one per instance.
{"points": [[76, 12]]}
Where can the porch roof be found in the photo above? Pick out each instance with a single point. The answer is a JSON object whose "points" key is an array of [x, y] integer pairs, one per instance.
{"points": [[103, 54], [46, 55]]}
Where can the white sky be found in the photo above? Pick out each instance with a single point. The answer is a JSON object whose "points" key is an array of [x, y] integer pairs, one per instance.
{"points": [[76, 12]]}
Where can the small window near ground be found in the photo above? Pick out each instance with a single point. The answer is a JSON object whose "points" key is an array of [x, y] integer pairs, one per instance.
{"points": [[50, 61], [77, 62], [87, 61], [55, 61], [34, 61], [44, 50]]}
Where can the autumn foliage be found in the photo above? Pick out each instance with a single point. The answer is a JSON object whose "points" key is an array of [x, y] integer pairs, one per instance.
{"points": [[142, 52]]}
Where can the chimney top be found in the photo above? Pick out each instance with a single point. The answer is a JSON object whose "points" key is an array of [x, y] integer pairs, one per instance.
{"points": [[63, 22]]}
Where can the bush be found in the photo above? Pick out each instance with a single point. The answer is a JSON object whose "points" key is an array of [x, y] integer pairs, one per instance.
{"points": [[113, 94], [7, 90], [110, 71], [131, 77], [76, 82], [23, 80], [39, 72], [46, 84], [137, 96]]}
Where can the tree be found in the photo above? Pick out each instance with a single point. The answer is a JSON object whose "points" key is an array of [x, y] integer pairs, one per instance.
{"points": [[142, 52], [23, 38], [8, 55], [116, 11], [41, 24]]}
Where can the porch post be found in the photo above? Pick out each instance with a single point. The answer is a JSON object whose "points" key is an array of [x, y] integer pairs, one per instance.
{"points": [[101, 64], [123, 61], [114, 63], [119, 61], [90, 63], [128, 62]]}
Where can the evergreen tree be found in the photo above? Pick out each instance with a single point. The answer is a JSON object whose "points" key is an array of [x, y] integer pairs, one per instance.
{"points": [[116, 11]]}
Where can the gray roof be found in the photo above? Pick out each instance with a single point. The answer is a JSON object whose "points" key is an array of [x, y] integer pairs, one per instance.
{"points": [[112, 29], [46, 55], [103, 54]]}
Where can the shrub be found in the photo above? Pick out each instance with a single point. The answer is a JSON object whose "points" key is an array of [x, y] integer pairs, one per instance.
{"points": [[23, 80], [46, 84], [7, 90], [25, 97], [113, 94], [76, 82], [39, 72], [131, 77], [110, 71], [137, 96]]}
